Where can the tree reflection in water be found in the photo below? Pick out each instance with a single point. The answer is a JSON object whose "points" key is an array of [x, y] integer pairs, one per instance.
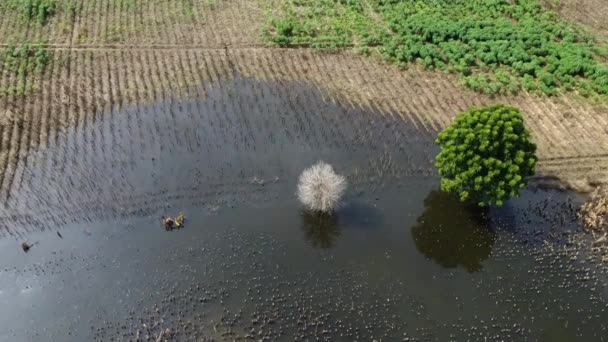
{"points": [[320, 229], [452, 233]]}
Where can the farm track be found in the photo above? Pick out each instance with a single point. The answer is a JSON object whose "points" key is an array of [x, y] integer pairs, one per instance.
{"points": [[109, 96]]}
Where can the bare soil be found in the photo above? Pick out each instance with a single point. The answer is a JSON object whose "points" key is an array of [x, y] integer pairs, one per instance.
{"points": [[592, 13]]}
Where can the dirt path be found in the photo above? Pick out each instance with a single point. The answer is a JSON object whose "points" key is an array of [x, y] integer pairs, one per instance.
{"points": [[98, 47]]}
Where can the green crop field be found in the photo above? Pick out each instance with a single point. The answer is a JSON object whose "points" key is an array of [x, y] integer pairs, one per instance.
{"points": [[496, 47]]}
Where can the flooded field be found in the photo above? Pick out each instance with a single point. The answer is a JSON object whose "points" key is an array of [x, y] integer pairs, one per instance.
{"points": [[399, 260]]}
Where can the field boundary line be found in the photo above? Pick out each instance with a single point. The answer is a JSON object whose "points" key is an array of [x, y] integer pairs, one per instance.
{"points": [[218, 47], [570, 158]]}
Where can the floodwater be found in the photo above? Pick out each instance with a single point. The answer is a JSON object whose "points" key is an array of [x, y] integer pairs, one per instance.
{"points": [[400, 260]]}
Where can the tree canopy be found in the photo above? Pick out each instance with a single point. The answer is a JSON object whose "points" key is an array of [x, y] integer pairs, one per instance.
{"points": [[486, 155]]}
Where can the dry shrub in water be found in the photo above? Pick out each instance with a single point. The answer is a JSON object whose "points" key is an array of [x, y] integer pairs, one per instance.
{"points": [[594, 212], [320, 188]]}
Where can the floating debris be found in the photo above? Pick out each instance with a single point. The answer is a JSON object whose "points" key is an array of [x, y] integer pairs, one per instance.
{"points": [[594, 212], [257, 181], [26, 247]]}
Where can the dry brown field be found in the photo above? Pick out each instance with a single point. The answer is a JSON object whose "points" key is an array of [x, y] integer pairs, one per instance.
{"points": [[592, 13]]}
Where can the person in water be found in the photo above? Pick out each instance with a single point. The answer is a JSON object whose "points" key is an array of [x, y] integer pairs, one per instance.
{"points": [[179, 221], [168, 222]]}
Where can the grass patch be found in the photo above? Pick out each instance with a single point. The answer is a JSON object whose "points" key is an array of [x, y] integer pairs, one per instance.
{"points": [[322, 24], [495, 46], [25, 62], [39, 10]]}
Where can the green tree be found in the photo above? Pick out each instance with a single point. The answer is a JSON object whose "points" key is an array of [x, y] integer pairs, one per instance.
{"points": [[486, 155]]}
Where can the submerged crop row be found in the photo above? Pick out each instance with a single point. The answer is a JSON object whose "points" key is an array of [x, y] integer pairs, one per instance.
{"points": [[496, 46]]}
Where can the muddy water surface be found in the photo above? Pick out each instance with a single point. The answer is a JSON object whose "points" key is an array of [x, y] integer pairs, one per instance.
{"points": [[399, 260]]}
